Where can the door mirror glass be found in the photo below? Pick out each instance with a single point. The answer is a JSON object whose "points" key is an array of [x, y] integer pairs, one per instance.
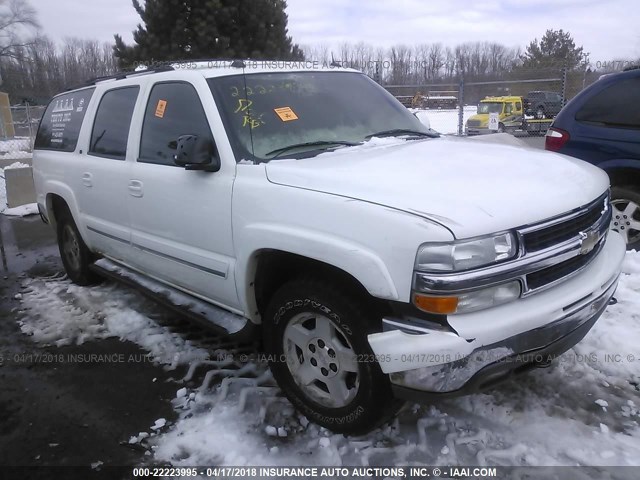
{"points": [[195, 152]]}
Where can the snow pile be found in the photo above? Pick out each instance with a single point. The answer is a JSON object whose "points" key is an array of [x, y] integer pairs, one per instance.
{"points": [[17, 165], [584, 410], [15, 148], [15, 155]]}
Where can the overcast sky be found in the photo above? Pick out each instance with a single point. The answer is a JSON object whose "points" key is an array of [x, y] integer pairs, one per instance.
{"points": [[607, 29]]}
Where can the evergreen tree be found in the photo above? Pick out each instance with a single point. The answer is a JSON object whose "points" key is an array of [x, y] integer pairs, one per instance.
{"points": [[555, 48], [195, 29]]}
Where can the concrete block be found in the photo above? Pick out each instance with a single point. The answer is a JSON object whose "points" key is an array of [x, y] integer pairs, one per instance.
{"points": [[20, 188]]}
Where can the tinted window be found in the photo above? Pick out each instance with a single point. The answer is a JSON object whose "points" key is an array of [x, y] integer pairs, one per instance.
{"points": [[518, 106], [174, 109], [61, 122], [111, 126], [616, 106]]}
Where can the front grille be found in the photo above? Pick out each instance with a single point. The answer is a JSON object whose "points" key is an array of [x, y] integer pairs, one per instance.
{"points": [[551, 274], [563, 231], [473, 123]]}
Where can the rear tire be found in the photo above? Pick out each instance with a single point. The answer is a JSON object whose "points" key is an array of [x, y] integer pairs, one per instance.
{"points": [[625, 203], [315, 335], [76, 256]]}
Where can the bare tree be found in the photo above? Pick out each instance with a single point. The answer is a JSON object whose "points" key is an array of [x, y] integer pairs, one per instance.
{"points": [[17, 23]]}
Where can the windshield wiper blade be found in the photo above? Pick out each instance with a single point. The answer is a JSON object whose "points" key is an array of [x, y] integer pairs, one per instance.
{"points": [[401, 131], [319, 143]]}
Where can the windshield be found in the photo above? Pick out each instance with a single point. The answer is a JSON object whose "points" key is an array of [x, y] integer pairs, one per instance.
{"points": [[490, 107], [307, 109]]}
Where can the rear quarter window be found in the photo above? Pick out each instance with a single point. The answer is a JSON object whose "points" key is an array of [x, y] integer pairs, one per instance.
{"points": [[615, 106], [60, 125]]}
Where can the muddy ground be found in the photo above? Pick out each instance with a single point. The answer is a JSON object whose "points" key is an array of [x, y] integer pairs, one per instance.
{"points": [[61, 406]]}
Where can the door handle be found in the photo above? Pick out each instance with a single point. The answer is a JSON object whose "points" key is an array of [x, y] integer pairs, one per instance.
{"points": [[135, 188], [87, 179]]}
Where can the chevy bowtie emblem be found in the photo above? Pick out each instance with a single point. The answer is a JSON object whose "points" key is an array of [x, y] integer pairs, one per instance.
{"points": [[588, 241]]}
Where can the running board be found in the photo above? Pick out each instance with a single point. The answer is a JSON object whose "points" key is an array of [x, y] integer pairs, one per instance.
{"points": [[205, 313]]}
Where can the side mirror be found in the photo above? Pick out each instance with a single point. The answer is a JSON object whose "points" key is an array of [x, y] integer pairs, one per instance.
{"points": [[424, 118], [196, 153]]}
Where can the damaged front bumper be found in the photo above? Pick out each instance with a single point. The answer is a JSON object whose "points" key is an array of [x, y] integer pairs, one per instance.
{"points": [[427, 361]]}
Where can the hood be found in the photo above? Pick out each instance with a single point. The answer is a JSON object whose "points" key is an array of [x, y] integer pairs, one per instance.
{"points": [[472, 188]]}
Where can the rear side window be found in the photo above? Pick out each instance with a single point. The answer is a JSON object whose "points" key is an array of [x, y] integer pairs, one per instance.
{"points": [[111, 125], [60, 125], [174, 109], [616, 106]]}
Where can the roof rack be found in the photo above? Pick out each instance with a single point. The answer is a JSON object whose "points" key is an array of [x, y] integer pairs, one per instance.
{"points": [[123, 75]]}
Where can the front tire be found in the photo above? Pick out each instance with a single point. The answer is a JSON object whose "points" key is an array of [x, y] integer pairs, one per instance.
{"points": [[315, 336], [625, 203], [76, 256]]}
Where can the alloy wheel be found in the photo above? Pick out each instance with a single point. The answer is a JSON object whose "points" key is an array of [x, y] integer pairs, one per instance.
{"points": [[321, 360]]}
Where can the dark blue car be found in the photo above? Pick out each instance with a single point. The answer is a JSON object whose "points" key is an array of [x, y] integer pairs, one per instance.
{"points": [[601, 125]]}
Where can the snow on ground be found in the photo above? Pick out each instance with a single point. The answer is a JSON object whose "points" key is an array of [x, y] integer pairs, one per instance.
{"points": [[15, 147], [584, 410], [22, 210], [446, 120], [59, 313]]}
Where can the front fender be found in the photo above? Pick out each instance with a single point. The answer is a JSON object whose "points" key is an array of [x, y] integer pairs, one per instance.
{"points": [[372, 243], [349, 256]]}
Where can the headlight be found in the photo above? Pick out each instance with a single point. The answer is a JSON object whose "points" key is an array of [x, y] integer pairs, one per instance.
{"points": [[468, 301], [466, 254]]}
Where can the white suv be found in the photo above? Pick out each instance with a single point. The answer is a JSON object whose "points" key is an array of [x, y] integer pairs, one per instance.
{"points": [[380, 261]]}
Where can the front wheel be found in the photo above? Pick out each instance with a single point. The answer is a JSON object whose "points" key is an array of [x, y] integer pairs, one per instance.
{"points": [[315, 336], [625, 203]]}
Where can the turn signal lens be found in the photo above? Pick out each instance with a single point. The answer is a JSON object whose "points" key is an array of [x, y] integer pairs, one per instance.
{"points": [[443, 305]]}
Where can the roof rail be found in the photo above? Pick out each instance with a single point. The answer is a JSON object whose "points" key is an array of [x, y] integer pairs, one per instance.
{"points": [[123, 75]]}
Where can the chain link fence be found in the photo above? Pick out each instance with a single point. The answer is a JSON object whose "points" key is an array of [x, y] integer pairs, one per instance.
{"points": [[523, 104], [18, 128]]}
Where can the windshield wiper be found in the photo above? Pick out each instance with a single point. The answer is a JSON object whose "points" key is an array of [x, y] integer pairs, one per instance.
{"points": [[319, 143], [401, 131]]}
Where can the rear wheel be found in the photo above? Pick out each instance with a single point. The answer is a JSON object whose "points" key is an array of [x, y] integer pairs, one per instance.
{"points": [[76, 256], [315, 336], [625, 203]]}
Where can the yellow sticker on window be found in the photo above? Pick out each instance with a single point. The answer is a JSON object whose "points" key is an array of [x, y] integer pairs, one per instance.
{"points": [[160, 108], [285, 114]]}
